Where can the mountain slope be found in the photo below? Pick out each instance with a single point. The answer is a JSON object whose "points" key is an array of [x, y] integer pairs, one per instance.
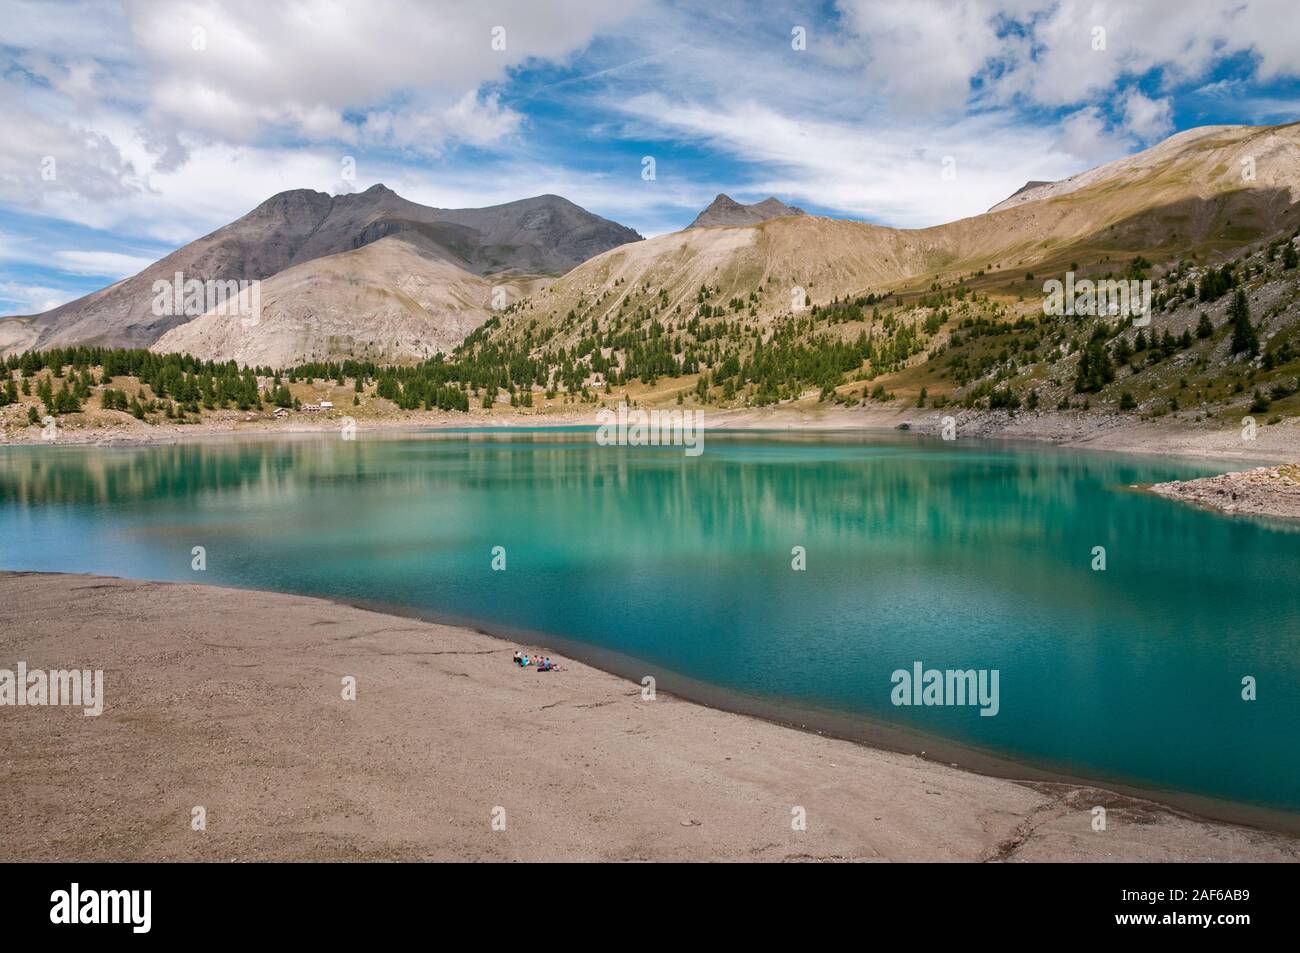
{"points": [[1184, 196], [792, 306], [399, 299], [1221, 150], [542, 235]]}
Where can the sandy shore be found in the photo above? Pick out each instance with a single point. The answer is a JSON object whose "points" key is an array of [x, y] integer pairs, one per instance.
{"points": [[1263, 491], [1277, 443], [232, 701]]}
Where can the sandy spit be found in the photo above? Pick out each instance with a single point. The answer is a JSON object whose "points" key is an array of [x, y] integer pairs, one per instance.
{"points": [[1263, 491], [232, 701]]}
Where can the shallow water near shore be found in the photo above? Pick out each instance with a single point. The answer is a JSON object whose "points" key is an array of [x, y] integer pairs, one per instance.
{"points": [[956, 555]]}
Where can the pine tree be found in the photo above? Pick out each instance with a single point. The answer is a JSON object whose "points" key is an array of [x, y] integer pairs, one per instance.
{"points": [[1095, 367], [1244, 338]]}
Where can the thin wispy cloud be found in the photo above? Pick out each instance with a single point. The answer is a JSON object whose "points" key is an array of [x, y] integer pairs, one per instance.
{"points": [[19, 298]]}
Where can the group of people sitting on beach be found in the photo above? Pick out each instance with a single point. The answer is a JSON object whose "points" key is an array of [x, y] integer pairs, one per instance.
{"points": [[537, 662]]}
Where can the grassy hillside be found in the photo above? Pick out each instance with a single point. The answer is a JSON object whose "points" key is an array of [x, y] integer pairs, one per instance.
{"points": [[807, 308]]}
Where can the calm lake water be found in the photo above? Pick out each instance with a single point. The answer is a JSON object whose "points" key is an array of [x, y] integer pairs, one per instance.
{"points": [[962, 555]]}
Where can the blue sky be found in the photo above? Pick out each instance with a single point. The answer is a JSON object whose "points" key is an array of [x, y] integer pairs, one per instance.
{"points": [[128, 129]]}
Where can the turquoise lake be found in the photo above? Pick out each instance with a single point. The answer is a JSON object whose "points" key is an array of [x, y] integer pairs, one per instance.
{"points": [[962, 555]]}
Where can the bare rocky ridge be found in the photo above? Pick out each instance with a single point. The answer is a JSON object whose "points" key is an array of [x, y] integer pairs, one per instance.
{"points": [[546, 235], [1272, 151], [1031, 184], [726, 211]]}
